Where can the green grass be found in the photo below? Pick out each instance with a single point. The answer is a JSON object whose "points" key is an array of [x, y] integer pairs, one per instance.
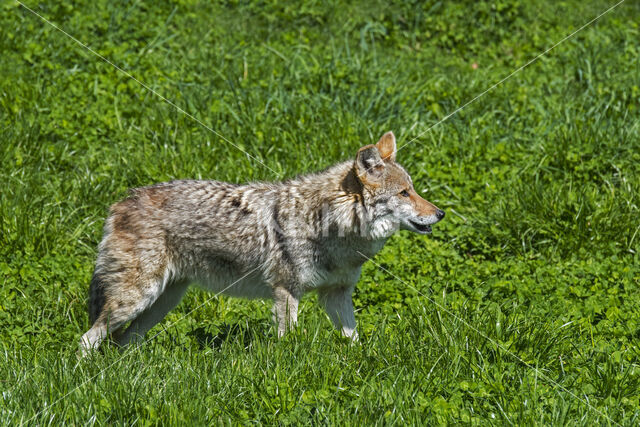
{"points": [[522, 308]]}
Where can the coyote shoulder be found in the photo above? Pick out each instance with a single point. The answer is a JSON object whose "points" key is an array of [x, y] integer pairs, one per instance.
{"points": [[259, 240]]}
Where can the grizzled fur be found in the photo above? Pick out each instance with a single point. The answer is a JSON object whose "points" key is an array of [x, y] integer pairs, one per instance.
{"points": [[260, 240]]}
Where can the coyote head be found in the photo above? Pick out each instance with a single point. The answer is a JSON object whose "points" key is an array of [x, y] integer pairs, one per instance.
{"points": [[389, 196]]}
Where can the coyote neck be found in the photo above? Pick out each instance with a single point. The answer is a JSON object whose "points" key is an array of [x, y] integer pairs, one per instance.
{"points": [[331, 202]]}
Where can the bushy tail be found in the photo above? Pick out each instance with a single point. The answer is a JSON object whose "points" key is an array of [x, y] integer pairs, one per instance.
{"points": [[96, 296]]}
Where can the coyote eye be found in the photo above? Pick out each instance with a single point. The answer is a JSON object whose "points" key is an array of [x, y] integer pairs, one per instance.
{"points": [[404, 193]]}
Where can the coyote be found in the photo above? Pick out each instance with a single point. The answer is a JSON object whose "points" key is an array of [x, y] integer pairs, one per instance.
{"points": [[259, 240]]}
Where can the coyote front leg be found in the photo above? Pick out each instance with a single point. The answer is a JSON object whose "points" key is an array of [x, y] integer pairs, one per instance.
{"points": [[285, 309], [339, 306]]}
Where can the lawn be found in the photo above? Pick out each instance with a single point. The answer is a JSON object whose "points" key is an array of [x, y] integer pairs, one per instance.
{"points": [[522, 307]]}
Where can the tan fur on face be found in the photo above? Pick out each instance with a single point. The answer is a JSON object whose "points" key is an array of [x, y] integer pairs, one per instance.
{"points": [[423, 206]]}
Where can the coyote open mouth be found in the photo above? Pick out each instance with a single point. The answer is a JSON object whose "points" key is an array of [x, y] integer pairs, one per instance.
{"points": [[423, 228]]}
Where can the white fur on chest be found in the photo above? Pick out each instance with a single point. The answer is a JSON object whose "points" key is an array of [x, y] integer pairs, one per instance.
{"points": [[317, 277], [339, 264]]}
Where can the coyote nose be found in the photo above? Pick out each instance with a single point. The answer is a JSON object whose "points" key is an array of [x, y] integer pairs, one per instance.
{"points": [[440, 214]]}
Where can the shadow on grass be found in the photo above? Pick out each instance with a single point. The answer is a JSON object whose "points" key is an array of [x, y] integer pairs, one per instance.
{"points": [[245, 332]]}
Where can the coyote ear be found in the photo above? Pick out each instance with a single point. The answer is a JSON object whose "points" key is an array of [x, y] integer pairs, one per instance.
{"points": [[369, 164], [387, 147]]}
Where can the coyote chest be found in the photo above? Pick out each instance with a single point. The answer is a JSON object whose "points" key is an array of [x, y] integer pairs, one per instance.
{"points": [[338, 262]]}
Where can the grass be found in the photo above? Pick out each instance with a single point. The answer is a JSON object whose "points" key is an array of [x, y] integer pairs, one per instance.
{"points": [[521, 308]]}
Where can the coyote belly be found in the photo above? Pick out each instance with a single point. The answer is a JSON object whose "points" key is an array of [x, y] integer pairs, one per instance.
{"points": [[259, 240]]}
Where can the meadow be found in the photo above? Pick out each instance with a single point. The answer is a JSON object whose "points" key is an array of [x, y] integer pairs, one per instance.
{"points": [[522, 307]]}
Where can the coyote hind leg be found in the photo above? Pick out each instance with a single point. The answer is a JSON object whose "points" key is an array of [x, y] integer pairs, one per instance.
{"points": [[102, 327], [153, 314], [121, 302]]}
